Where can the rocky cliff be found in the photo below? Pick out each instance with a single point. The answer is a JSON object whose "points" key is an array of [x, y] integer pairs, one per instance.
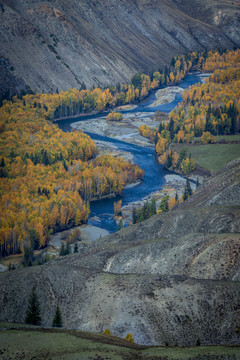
{"points": [[173, 279], [59, 44]]}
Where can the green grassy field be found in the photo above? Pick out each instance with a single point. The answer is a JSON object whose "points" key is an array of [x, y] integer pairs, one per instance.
{"points": [[29, 343], [211, 156], [226, 138]]}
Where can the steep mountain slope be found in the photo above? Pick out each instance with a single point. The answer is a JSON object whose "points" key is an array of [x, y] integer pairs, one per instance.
{"points": [[60, 44], [174, 278]]}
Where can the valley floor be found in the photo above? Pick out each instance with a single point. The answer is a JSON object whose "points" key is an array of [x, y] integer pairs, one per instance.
{"points": [[18, 341]]}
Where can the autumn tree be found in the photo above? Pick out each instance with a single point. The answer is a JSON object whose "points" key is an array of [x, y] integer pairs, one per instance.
{"points": [[117, 208], [107, 332], [114, 116], [187, 165], [208, 138], [129, 338]]}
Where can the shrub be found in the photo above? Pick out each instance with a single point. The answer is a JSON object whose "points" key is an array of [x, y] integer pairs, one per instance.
{"points": [[114, 116]]}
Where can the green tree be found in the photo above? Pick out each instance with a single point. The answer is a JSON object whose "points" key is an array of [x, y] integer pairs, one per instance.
{"points": [[188, 187], [75, 250], [176, 197], [183, 154], [163, 207], [67, 249], [33, 311], [134, 215], [136, 80], [2, 162], [185, 194], [120, 225], [57, 320], [197, 183], [62, 250], [153, 206], [35, 243], [28, 256], [187, 190]]}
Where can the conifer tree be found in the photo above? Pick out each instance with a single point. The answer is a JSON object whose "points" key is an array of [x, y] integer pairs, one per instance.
{"points": [[33, 311], [185, 194], [153, 206], [188, 187], [187, 190], [57, 320], [197, 183], [163, 207], [176, 198], [120, 225], [62, 250], [75, 248], [134, 215], [2, 162], [67, 249]]}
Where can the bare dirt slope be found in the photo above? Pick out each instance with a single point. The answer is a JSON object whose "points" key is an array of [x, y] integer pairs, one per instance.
{"points": [[174, 278], [61, 44]]}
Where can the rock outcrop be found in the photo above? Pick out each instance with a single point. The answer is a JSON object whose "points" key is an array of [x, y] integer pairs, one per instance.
{"points": [[57, 44], [173, 279]]}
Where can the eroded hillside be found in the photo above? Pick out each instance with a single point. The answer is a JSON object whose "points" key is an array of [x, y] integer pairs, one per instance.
{"points": [[174, 278], [57, 44]]}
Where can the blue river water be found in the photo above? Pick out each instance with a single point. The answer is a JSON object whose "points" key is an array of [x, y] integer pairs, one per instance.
{"points": [[154, 179]]}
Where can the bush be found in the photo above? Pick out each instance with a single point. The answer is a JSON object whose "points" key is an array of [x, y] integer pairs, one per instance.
{"points": [[208, 138], [114, 116]]}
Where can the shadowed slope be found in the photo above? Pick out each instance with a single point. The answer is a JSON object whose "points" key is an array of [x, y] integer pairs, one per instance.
{"points": [[60, 44]]}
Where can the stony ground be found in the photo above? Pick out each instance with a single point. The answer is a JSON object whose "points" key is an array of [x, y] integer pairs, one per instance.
{"points": [[125, 130]]}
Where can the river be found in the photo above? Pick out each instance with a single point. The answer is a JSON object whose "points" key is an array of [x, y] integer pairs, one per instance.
{"points": [[102, 210]]}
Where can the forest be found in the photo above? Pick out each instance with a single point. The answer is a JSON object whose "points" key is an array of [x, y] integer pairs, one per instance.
{"points": [[48, 177], [207, 110]]}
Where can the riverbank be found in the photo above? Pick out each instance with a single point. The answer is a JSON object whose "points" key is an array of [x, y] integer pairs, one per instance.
{"points": [[76, 116], [174, 184], [166, 95], [106, 148], [125, 130]]}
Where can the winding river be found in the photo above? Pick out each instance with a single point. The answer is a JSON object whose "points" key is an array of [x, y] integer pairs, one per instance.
{"points": [[102, 210]]}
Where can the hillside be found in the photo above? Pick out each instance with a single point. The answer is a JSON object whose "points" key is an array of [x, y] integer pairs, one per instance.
{"points": [[173, 279], [50, 45]]}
